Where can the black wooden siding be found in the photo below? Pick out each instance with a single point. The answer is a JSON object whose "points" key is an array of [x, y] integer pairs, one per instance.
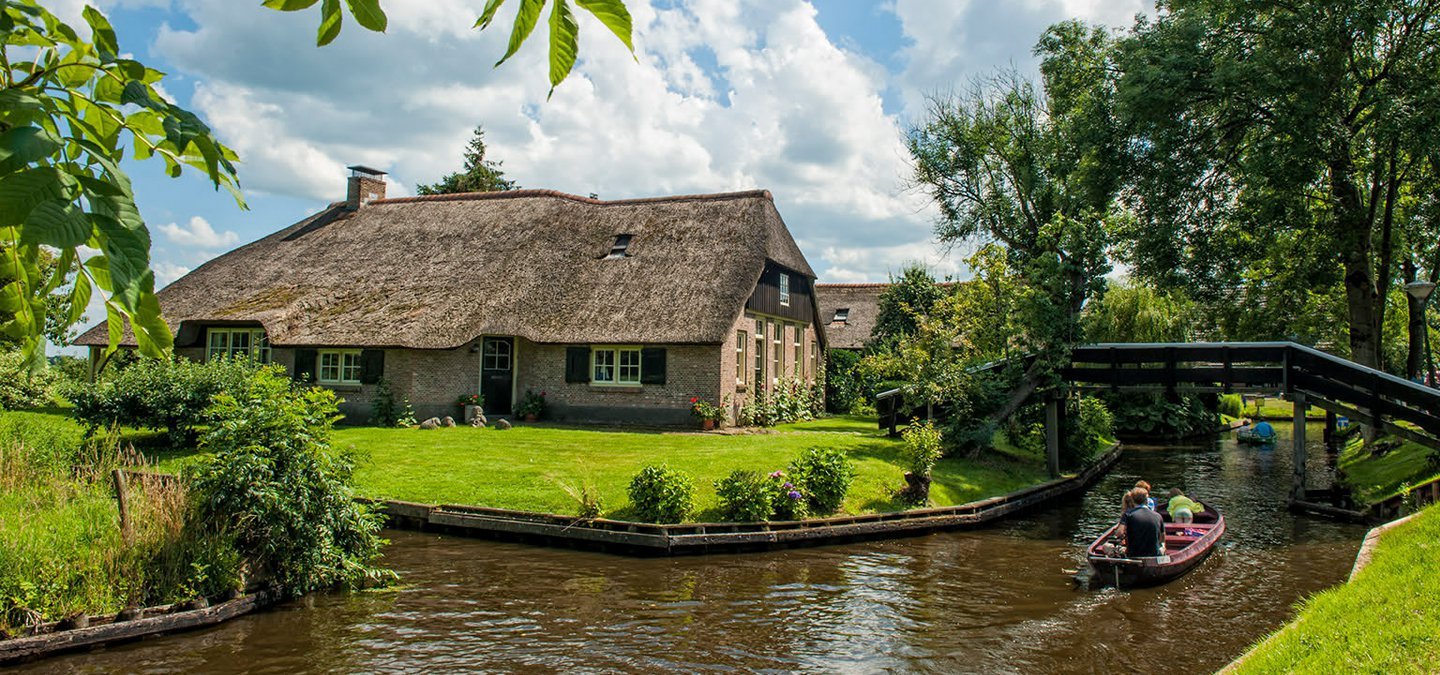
{"points": [[766, 298]]}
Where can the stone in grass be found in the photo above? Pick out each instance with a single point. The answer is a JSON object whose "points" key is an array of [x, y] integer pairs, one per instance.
{"points": [[502, 424], [447, 421], [432, 423]]}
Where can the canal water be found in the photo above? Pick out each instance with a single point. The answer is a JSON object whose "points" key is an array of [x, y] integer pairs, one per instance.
{"points": [[998, 600]]}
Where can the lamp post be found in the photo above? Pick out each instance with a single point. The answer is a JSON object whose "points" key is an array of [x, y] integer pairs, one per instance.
{"points": [[1421, 290]]}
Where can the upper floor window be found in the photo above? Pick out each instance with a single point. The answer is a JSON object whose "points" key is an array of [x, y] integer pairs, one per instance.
{"points": [[842, 315], [621, 247], [235, 342], [784, 290], [339, 366]]}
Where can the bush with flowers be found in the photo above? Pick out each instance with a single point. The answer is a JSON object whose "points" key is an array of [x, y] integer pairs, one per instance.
{"points": [[471, 399], [824, 477], [531, 404], [704, 410], [789, 499]]}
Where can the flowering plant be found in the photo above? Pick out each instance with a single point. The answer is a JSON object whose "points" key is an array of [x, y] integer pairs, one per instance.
{"points": [[472, 399], [531, 404], [705, 410]]}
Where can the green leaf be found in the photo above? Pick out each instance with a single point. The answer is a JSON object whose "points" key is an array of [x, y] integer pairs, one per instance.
{"points": [[24, 190], [330, 20], [614, 15], [489, 14], [58, 224], [289, 5], [525, 21], [368, 14], [137, 93], [99, 268], [79, 298], [22, 146], [564, 34], [103, 32]]}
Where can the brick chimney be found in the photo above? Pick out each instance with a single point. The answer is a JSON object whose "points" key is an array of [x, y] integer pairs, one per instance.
{"points": [[365, 184]]}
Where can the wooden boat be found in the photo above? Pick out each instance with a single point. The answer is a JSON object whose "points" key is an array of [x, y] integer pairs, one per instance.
{"points": [[1249, 436], [1186, 545]]}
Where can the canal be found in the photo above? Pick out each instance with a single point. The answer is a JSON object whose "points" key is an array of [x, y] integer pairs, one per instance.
{"points": [[993, 600]]}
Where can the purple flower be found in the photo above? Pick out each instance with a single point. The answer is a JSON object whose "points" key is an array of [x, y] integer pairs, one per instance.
{"points": [[788, 486], [777, 474], [794, 495]]}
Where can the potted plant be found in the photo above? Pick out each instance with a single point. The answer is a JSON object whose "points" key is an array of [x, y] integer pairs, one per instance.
{"points": [[471, 405], [531, 406], [708, 413]]}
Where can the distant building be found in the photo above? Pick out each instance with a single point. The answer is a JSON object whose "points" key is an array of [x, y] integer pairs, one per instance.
{"points": [[849, 313]]}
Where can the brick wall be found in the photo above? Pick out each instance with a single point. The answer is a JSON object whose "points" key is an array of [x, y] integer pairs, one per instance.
{"points": [[430, 379], [691, 371], [740, 391]]}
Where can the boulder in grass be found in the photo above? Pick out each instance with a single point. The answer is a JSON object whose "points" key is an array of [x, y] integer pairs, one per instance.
{"points": [[502, 424], [447, 421], [432, 423]]}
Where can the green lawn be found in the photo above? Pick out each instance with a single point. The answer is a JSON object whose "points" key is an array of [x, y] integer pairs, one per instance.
{"points": [[1383, 621], [1271, 408], [1375, 477]]}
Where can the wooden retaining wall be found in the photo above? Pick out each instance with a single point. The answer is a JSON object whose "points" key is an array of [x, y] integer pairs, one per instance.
{"points": [[698, 538]]}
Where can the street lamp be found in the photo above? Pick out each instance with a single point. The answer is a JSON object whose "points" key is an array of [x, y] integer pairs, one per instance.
{"points": [[1421, 290]]}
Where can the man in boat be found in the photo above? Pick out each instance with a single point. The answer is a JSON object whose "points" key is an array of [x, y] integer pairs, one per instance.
{"points": [[1183, 509], [1144, 530]]}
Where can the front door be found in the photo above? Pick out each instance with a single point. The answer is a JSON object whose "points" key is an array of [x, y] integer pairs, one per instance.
{"points": [[497, 374]]}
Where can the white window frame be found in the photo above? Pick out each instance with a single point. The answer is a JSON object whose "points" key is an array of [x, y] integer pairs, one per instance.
{"points": [[777, 348], [759, 356], [622, 374], [741, 341], [258, 347], [798, 335], [784, 289], [346, 369]]}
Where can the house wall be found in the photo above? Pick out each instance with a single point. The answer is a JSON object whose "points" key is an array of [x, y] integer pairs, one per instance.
{"points": [[690, 371], [740, 391], [430, 379]]}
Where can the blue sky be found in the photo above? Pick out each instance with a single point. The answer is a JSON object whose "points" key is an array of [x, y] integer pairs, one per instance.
{"points": [[807, 99]]}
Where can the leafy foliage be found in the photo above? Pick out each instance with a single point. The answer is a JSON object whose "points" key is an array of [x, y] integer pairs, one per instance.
{"points": [[845, 391], [72, 110], [479, 174], [824, 476], [1231, 405], [660, 494], [923, 447], [20, 386], [280, 488], [746, 496], [1093, 429], [1135, 312], [790, 401], [913, 295], [169, 394], [1160, 414]]}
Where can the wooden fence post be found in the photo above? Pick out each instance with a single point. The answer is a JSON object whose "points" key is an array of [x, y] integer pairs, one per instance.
{"points": [[122, 496]]}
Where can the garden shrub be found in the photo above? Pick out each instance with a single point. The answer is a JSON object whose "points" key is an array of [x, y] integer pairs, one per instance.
{"points": [[1231, 405], [824, 476], [922, 447], [790, 401], [386, 412], [662, 495], [275, 483], [19, 386], [1156, 415], [157, 394], [789, 499], [844, 388], [1090, 428], [746, 496]]}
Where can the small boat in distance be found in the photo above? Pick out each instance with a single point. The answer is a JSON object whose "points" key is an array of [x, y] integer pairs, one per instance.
{"points": [[1261, 433], [1186, 544]]}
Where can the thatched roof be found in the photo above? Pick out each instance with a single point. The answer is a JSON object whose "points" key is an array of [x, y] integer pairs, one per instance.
{"points": [[863, 303], [436, 272]]}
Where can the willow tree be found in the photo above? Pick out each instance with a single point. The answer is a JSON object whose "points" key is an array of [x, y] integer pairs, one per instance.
{"points": [[1032, 169], [1259, 123]]}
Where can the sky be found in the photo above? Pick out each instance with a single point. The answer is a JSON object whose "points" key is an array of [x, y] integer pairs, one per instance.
{"points": [[808, 99]]}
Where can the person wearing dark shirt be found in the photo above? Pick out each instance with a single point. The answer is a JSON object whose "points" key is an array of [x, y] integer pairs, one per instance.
{"points": [[1144, 529]]}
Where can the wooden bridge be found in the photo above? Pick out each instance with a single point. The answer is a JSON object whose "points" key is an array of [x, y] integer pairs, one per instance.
{"points": [[1305, 376]]}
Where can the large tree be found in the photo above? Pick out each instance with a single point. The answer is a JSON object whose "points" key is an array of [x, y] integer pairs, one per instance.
{"points": [[1262, 126], [479, 174]]}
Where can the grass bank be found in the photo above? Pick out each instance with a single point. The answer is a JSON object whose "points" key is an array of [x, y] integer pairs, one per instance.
{"points": [[1384, 620], [1386, 468]]}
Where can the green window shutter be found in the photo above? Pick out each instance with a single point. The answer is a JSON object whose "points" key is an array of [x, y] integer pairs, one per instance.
{"points": [[372, 365], [577, 364], [652, 365], [305, 364]]}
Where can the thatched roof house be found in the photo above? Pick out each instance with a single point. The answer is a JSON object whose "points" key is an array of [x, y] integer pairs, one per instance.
{"points": [[848, 312], [429, 287]]}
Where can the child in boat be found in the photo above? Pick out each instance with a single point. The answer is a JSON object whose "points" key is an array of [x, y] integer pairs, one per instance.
{"points": [[1149, 502], [1144, 529], [1182, 509]]}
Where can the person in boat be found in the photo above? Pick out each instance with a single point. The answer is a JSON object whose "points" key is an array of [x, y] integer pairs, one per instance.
{"points": [[1264, 429], [1143, 529], [1115, 546], [1182, 509], [1149, 502]]}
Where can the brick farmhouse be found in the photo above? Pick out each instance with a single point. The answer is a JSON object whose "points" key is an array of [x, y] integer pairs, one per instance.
{"points": [[619, 311]]}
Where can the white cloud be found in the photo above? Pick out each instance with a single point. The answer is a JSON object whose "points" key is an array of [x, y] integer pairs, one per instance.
{"points": [[166, 273], [198, 233]]}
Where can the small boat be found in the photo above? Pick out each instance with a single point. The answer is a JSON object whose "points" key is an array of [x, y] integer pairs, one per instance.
{"points": [[1259, 434], [1186, 544]]}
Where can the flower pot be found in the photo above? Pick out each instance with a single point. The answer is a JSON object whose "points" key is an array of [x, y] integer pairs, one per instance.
{"points": [[707, 425], [531, 417]]}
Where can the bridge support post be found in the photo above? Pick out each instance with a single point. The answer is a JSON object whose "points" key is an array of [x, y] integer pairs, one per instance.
{"points": [[1052, 434], [1297, 486]]}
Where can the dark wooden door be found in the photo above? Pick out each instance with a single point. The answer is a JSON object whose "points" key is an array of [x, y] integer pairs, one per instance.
{"points": [[497, 374]]}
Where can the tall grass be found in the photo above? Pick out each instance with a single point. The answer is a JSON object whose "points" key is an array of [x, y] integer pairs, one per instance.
{"points": [[61, 549]]}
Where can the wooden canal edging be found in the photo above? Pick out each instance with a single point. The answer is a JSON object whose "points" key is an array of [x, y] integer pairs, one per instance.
{"points": [[649, 539], [104, 630]]}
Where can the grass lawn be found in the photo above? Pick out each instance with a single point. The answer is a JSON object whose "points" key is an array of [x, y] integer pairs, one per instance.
{"points": [[1384, 621], [1271, 408], [1375, 478]]}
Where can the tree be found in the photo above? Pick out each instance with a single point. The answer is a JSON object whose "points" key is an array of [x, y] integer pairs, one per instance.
{"points": [[479, 174], [904, 302], [1256, 121]]}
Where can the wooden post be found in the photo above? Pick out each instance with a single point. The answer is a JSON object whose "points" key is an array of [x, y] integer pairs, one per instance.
{"points": [[1330, 422], [122, 496], [1052, 434], [1297, 487]]}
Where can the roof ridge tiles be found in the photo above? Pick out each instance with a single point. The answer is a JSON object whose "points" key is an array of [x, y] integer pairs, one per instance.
{"points": [[525, 193]]}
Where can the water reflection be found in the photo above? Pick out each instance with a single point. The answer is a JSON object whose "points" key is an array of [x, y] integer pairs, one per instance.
{"points": [[996, 600]]}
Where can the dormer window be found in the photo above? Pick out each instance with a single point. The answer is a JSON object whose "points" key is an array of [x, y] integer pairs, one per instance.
{"points": [[842, 315], [784, 290], [622, 244]]}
